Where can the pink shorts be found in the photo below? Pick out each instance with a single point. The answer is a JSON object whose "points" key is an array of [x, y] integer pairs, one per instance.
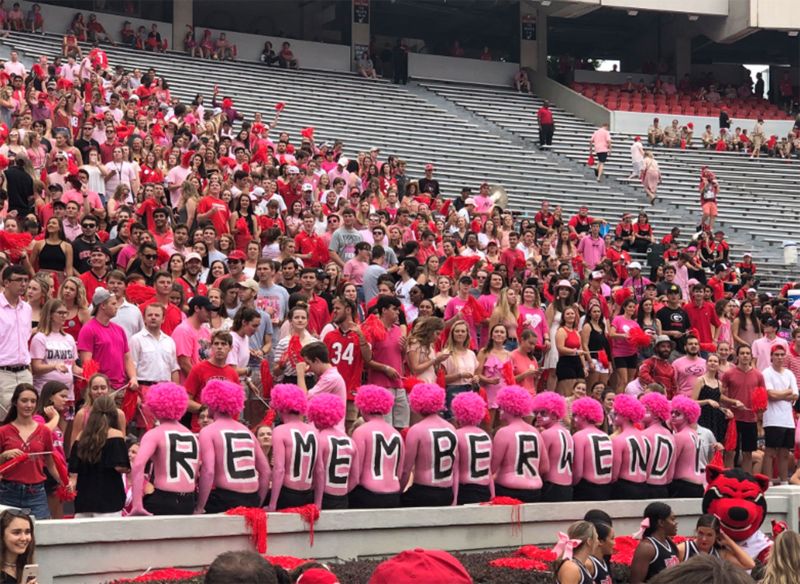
{"points": [[710, 209]]}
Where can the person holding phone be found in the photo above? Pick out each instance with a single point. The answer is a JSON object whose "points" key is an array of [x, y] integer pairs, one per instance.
{"points": [[17, 547]]}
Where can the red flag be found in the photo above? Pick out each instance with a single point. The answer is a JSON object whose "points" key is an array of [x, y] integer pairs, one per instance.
{"points": [[307, 133], [129, 402], [508, 373], [473, 311], [454, 266], [279, 106], [440, 378]]}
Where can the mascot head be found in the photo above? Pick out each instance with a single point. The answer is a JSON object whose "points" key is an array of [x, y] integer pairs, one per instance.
{"points": [[737, 499]]}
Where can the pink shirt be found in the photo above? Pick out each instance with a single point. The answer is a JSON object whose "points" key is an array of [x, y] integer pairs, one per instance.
{"points": [[108, 346], [187, 343], [519, 458], [762, 351], [338, 470], [601, 140], [431, 453], [232, 460], [175, 452], [560, 453], [661, 458], [687, 371], [388, 353], [380, 455], [331, 382], [630, 456], [354, 271], [534, 319], [15, 322], [594, 457], [454, 306], [176, 176], [125, 255], [593, 250], [622, 347], [295, 448], [687, 459], [522, 363], [474, 457], [77, 196], [54, 348]]}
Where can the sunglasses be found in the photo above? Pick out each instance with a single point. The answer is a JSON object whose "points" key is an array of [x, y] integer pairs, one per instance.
{"points": [[89, 225], [150, 256]]}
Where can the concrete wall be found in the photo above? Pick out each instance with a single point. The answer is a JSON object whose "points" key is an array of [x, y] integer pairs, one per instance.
{"points": [[91, 551], [584, 76], [780, 14], [710, 7], [564, 97], [637, 123], [463, 70]]}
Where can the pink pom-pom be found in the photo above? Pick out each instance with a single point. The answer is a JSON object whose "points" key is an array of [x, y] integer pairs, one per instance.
{"points": [[325, 410], [687, 406], [589, 409], [287, 397], [167, 401], [468, 408], [426, 399], [629, 407], [657, 404], [552, 402], [515, 400], [224, 397], [374, 399]]}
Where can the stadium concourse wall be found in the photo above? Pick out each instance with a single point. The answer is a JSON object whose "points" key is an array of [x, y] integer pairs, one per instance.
{"points": [[638, 122], [92, 551]]}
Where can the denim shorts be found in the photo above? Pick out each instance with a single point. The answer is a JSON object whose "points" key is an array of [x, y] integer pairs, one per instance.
{"points": [[25, 496]]}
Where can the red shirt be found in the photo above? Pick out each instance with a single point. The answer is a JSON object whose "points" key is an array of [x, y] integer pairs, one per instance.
{"points": [[172, 316], [718, 286], [201, 374], [30, 472], [588, 295], [92, 282], [513, 260], [313, 244], [220, 218], [545, 116], [345, 352], [318, 314], [701, 318], [200, 290], [289, 194], [740, 385]]}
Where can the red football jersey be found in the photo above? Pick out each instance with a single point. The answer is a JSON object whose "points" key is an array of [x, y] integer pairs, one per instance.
{"points": [[345, 354]]}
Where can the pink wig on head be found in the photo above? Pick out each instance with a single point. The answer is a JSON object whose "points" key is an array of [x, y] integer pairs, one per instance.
{"points": [[515, 400], [426, 399], [468, 408], [224, 397], [629, 407], [589, 409], [288, 397], [657, 404], [374, 399], [552, 402], [325, 410], [688, 407], [167, 401]]}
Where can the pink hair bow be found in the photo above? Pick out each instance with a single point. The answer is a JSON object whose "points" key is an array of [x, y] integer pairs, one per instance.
{"points": [[565, 546], [642, 526]]}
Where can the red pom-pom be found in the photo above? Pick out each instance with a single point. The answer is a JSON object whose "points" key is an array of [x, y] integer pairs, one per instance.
{"points": [[285, 562], [520, 564], [731, 436], [454, 266], [309, 514], [602, 358], [410, 382], [279, 106], [639, 338], [15, 244], [64, 494], [759, 399], [307, 133], [536, 553], [717, 459], [508, 373], [256, 520], [708, 347], [373, 329], [139, 293], [621, 295], [624, 546]]}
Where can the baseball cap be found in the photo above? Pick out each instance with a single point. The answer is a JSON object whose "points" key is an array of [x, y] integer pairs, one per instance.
{"points": [[193, 256], [747, 254], [469, 201], [100, 295], [753, 290], [237, 254], [720, 268], [374, 149], [777, 347], [199, 302], [674, 289], [663, 339], [308, 187], [597, 274], [634, 266], [419, 565], [342, 161], [318, 576], [770, 322], [250, 284], [429, 166], [292, 170]]}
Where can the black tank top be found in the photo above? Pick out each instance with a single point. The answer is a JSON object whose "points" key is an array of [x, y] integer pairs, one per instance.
{"points": [[52, 257], [598, 341], [586, 577], [602, 574], [691, 550], [666, 557]]}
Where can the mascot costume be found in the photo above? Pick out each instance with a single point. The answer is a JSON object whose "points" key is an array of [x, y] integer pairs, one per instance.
{"points": [[737, 499]]}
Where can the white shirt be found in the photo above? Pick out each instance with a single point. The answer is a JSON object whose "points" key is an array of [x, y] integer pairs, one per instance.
{"points": [[155, 358], [637, 152], [129, 317], [779, 413], [240, 351]]}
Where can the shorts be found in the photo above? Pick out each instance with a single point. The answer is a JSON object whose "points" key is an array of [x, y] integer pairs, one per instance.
{"points": [[361, 498], [602, 156], [400, 415], [168, 503], [586, 491], [627, 362], [747, 436], [470, 494], [294, 498], [777, 437], [626, 490], [569, 367], [681, 489], [552, 493], [220, 500], [524, 495], [710, 209], [427, 496], [331, 502]]}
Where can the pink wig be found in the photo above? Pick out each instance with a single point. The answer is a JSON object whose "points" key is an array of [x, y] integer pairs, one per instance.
{"points": [[374, 399], [552, 402], [426, 399], [589, 409], [629, 407], [657, 404], [224, 397], [325, 410], [167, 401], [468, 408], [287, 397], [515, 400], [688, 407]]}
